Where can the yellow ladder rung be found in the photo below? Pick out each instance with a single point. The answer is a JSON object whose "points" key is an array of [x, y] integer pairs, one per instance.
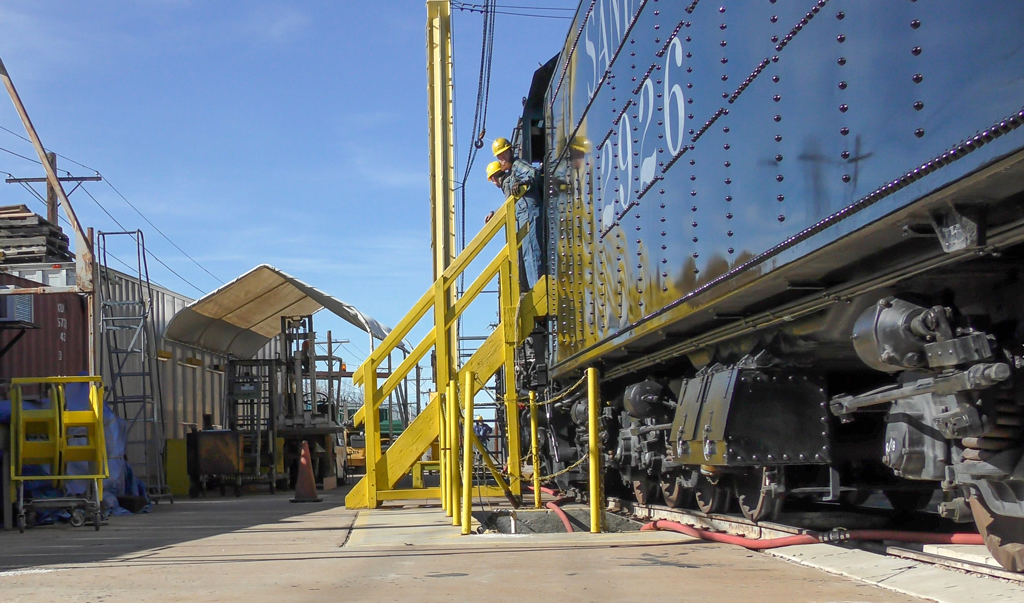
{"points": [[81, 453]]}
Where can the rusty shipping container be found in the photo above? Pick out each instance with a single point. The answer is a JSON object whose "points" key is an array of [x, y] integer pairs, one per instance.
{"points": [[60, 344]]}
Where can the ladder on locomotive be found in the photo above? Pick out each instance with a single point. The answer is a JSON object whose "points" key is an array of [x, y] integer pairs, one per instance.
{"points": [[134, 380]]}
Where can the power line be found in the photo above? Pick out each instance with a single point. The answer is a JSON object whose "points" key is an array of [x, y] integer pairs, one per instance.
{"points": [[148, 252], [148, 221], [507, 6], [477, 8], [354, 349], [43, 201], [20, 155], [130, 204], [48, 150]]}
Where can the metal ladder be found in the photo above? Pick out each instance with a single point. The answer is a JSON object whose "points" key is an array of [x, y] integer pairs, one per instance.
{"points": [[131, 364]]}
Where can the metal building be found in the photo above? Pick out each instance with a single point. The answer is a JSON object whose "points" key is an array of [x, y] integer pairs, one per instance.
{"points": [[191, 379]]}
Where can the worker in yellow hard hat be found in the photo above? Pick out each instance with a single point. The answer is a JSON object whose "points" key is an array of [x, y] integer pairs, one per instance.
{"points": [[522, 182], [579, 148], [502, 150], [497, 176], [495, 173], [482, 430]]}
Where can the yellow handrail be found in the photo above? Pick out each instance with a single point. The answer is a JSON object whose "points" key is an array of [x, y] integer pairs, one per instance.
{"points": [[426, 303], [438, 299]]}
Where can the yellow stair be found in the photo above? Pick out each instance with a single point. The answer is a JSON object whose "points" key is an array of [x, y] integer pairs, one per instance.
{"points": [[517, 313], [41, 437], [36, 433], [414, 442]]}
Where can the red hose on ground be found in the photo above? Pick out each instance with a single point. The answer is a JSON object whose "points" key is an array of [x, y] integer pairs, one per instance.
{"points": [[838, 536], [543, 489], [553, 505], [753, 544]]}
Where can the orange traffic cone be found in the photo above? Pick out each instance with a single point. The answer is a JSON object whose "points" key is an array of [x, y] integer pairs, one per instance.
{"points": [[305, 486]]}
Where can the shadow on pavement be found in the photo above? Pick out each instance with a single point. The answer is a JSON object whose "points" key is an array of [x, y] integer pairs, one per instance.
{"points": [[168, 524]]}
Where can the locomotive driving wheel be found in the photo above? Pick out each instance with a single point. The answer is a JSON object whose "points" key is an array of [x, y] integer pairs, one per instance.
{"points": [[673, 489], [645, 489], [1003, 536], [754, 495], [712, 495]]}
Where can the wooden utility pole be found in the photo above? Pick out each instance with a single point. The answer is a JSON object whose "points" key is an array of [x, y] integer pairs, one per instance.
{"points": [[51, 194]]}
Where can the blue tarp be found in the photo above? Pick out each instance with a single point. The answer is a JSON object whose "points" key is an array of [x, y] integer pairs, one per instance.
{"points": [[122, 480]]}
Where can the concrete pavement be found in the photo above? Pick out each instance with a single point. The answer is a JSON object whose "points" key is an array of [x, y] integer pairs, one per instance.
{"points": [[262, 548]]}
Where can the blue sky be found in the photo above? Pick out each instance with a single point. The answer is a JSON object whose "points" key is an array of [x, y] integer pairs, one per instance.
{"points": [[288, 133]]}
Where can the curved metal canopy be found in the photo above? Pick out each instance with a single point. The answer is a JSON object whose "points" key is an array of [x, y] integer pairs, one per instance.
{"points": [[241, 317]]}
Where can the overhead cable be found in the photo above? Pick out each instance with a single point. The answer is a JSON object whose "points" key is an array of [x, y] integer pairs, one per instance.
{"points": [[490, 7], [148, 221], [148, 252], [20, 155], [130, 204], [122, 262], [49, 151]]}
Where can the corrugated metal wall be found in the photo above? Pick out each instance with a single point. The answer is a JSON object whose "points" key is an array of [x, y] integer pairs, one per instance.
{"points": [[191, 380]]}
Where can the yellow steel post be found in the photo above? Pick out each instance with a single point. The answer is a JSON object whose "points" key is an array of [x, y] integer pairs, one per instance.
{"points": [[467, 453], [454, 486], [442, 447], [533, 449], [441, 133], [371, 429], [440, 112], [594, 447], [510, 317]]}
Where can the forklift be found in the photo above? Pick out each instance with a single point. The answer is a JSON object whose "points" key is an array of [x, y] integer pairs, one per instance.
{"points": [[308, 414], [272, 407]]}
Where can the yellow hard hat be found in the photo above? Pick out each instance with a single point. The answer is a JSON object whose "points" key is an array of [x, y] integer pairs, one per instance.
{"points": [[479, 418], [581, 144], [493, 168], [500, 145]]}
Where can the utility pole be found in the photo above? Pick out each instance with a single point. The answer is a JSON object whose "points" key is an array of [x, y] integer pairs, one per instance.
{"points": [[418, 371], [52, 203], [51, 194], [85, 264]]}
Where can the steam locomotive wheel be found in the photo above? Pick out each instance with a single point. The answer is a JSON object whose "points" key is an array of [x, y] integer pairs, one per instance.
{"points": [[712, 496], [645, 489], [676, 495], [755, 503], [1003, 536]]}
